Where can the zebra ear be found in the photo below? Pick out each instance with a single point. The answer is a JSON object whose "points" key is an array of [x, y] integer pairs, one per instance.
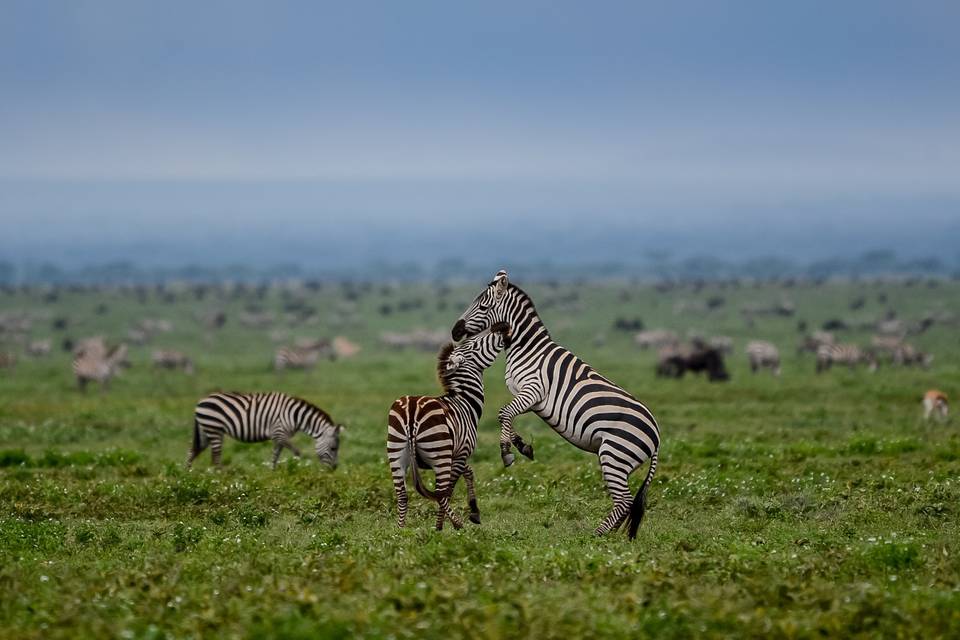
{"points": [[500, 283]]}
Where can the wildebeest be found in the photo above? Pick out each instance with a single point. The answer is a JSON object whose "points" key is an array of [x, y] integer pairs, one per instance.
{"points": [[674, 362]]}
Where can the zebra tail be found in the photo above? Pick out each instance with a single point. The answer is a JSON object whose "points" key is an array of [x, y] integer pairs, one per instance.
{"points": [[639, 505], [417, 480], [197, 435]]}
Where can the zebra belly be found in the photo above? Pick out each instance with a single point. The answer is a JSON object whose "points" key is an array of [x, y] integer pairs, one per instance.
{"points": [[582, 438]]}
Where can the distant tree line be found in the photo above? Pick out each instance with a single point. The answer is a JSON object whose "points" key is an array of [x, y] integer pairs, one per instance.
{"points": [[655, 265]]}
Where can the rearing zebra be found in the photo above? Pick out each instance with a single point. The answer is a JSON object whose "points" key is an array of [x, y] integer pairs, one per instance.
{"points": [[255, 417], [441, 432], [585, 408]]}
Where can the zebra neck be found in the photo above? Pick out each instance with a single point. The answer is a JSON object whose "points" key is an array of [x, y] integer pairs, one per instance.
{"points": [[466, 396], [527, 329], [315, 430]]}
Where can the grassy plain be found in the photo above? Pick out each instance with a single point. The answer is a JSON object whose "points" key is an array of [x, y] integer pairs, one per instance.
{"points": [[794, 507]]}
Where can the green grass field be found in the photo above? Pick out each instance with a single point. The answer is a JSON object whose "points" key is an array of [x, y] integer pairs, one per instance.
{"points": [[795, 507]]}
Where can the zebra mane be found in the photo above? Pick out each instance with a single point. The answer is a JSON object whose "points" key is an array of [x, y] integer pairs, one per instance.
{"points": [[442, 375], [314, 408]]}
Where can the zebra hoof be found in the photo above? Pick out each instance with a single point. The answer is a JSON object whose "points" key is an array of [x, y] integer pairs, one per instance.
{"points": [[475, 518], [508, 459]]}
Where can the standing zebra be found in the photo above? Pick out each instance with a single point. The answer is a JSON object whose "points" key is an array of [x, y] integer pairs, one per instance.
{"points": [[763, 355], [585, 408], [94, 364], [256, 417], [170, 359], [295, 358], [441, 432], [848, 354]]}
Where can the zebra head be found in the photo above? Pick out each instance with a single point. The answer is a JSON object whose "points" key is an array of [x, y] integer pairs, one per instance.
{"points": [[479, 350], [327, 445], [487, 309]]}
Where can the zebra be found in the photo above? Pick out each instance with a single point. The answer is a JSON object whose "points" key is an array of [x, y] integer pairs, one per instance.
{"points": [[295, 358], [763, 355], [40, 348], [586, 409], [96, 365], [907, 355], [169, 359], [256, 417], [441, 432], [848, 354]]}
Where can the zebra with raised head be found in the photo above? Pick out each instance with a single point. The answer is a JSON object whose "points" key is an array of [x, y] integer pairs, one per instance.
{"points": [[848, 354], [585, 408], [441, 432], [257, 417], [93, 364]]}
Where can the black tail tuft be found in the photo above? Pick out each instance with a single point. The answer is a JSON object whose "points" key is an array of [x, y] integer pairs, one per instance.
{"points": [[637, 510], [639, 505], [196, 436], [417, 480]]}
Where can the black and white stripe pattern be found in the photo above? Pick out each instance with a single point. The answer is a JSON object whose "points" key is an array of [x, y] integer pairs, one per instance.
{"points": [[441, 432], [295, 358], [97, 364], [763, 355], [848, 354], [256, 417], [585, 408], [170, 359]]}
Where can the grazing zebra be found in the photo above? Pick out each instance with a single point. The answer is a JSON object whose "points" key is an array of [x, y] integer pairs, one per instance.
{"points": [[295, 358], [935, 402], [585, 408], [763, 355], [848, 354], [94, 365], [814, 341], [441, 432], [907, 355], [40, 348], [256, 417], [169, 359]]}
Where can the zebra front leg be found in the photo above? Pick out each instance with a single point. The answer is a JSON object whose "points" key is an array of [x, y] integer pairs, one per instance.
{"points": [[615, 471], [277, 449], [522, 403]]}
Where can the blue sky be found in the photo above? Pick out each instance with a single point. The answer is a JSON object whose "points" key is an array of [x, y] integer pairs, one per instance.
{"points": [[164, 122]]}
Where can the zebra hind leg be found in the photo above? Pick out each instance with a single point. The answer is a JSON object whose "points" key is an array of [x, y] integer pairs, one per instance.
{"points": [[471, 494], [444, 475], [615, 474], [398, 471], [216, 448]]}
